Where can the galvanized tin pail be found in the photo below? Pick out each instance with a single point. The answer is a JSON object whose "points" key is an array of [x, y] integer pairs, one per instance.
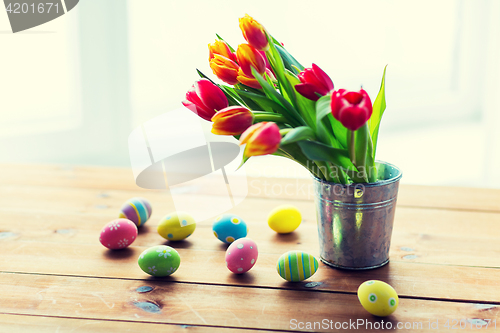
{"points": [[355, 221]]}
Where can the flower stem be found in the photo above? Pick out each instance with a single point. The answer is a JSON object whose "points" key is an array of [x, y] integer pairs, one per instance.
{"points": [[269, 117], [351, 146]]}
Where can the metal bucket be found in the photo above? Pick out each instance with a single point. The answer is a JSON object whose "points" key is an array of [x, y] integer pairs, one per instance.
{"points": [[355, 221]]}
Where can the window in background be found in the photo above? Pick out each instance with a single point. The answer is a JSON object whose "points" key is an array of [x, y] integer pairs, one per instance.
{"points": [[64, 96], [39, 86], [435, 76], [92, 75]]}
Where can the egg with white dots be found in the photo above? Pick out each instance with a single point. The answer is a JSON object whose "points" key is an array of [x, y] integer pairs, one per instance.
{"points": [[160, 260], [118, 234], [229, 227], [241, 255], [176, 226], [378, 298]]}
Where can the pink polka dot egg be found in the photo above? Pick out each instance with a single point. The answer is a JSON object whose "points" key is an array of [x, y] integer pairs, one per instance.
{"points": [[118, 234], [241, 255]]}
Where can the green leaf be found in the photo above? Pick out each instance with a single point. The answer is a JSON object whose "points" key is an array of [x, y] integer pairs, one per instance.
{"points": [[323, 107], [289, 61], [277, 65], [232, 97], [318, 151], [378, 111], [325, 134], [241, 86], [289, 111], [284, 53], [203, 76], [263, 100], [339, 131], [244, 159], [298, 134]]}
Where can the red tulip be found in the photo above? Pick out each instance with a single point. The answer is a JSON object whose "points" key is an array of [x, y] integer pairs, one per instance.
{"points": [[314, 81], [232, 120], [205, 99], [351, 108], [261, 139], [254, 33], [249, 57], [221, 48], [225, 69]]}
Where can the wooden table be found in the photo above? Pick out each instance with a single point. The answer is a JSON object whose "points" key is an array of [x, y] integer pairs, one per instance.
{"points": [[57, 277]]}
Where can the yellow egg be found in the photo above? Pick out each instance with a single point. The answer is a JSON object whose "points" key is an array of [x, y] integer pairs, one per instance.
{"points": [[284, 219], [378, 298], [176, 226]]}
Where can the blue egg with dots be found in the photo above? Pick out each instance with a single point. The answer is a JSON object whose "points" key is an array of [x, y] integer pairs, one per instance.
{"points": [[229, 227]]}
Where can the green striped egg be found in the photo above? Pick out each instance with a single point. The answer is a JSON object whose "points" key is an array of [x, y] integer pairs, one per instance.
{"points": [[296, 266]]}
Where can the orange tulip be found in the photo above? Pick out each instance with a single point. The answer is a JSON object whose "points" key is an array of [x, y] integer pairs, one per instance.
{"points": [[249, 57], [251, 81], [261, 139], [248, 81], [254, 33], [225, 69], [221, 48], [232, 120]]}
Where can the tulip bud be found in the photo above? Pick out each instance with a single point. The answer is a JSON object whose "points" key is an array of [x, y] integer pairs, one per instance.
{"points": [[225, 69], [351, 108], [251, 81], [221, 48], [261, 139], [254, 33], [248, 81], [205, 99], [249, 57], [314, 81], [232, 120]]}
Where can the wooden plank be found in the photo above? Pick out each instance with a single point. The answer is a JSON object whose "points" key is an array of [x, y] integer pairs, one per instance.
{"points": [[194, 304], [300, 189], [42, 324], [469, 238], [409, 279]]}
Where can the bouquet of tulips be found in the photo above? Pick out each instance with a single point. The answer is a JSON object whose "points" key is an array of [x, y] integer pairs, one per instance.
{"points": [[275, 106]]}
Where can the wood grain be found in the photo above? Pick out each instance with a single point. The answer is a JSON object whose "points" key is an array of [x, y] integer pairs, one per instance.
{"points": [[106, 178], [208, 267], [43, 324], [207, 305], [445, 259], [434, 236]]}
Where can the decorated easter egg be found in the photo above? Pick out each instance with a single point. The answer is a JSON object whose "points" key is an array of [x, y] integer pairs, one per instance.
{"points": [[241, 255], [284, 219], [118, 234], [176, 226], [378, 298], [296, 266], [229, 227], [159, 260], [137, 210]]}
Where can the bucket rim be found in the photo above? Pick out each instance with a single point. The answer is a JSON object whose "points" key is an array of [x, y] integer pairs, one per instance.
{"points": [[384, 182]]}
